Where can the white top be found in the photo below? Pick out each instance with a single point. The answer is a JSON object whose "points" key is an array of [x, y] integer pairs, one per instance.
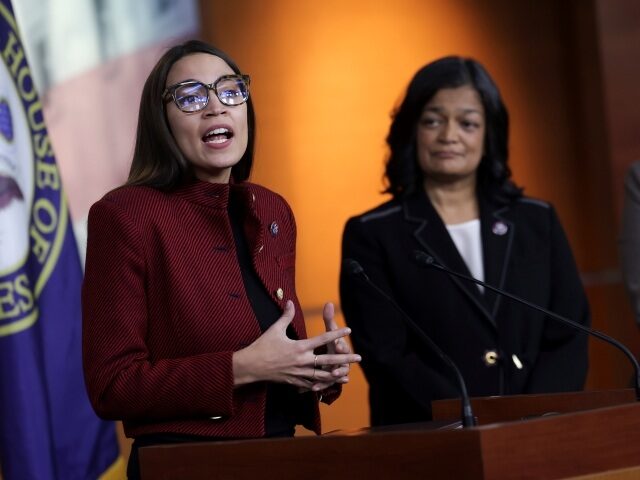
{"points": [[468, 241]]}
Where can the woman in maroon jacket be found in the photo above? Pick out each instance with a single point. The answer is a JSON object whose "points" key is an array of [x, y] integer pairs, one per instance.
{"points": [[191, 325]]}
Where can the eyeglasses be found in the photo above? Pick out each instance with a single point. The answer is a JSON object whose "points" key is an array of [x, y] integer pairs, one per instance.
{"points": [[192, 96]]}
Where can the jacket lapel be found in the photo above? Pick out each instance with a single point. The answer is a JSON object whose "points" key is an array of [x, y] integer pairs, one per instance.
{"points": [[497, 238], [431, 233]]}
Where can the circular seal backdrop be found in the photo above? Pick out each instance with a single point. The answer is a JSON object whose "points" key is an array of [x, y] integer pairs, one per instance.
{"points": [[16, 176], [33, 211]]}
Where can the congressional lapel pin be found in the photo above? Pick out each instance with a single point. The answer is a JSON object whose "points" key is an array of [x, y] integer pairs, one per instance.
{"points": [[274, 229], [499, 228]]}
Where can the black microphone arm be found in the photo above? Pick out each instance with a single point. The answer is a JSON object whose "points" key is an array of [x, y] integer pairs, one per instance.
{"points": [[427, 260], [468, 419]]}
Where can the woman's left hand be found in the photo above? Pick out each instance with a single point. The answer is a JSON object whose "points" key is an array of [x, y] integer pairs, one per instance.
{"points": [[340, 373]]}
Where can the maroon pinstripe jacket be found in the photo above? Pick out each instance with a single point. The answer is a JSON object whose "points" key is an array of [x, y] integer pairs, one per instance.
{"points": [[164, 308]]}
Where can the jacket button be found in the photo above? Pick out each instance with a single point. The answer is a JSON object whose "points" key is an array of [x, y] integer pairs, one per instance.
{"points": [[280, 293], [490, 358], [517, 362]]}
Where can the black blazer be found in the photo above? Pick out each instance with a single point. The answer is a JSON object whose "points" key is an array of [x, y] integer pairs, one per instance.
{"points": [[525, 252]]}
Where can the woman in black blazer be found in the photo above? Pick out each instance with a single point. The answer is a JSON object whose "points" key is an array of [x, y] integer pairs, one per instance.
{"points": [[453, 199]]}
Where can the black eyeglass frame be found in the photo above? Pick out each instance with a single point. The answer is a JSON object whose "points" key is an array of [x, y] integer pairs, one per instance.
{"points": [[170, 92]]}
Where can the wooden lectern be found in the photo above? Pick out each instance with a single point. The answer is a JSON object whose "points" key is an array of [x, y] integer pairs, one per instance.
{"points": [[519, 437]]}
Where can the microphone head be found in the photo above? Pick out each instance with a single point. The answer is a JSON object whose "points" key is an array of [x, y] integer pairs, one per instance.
{"points": [[352, 266], [423, 258]]}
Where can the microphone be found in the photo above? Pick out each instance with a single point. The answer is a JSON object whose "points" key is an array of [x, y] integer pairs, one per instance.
{"points": [[427, 260], [468, 420]]}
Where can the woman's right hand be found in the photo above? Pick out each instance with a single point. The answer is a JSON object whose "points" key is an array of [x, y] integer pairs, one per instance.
{"points": [[274, 357]]}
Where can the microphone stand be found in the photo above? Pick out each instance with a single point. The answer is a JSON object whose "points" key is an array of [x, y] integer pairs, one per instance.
{"points": [[468, 419], [428, 261]]}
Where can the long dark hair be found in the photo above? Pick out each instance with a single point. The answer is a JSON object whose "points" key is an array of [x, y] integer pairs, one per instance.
{"points": [[402, 172], [157, 160]]}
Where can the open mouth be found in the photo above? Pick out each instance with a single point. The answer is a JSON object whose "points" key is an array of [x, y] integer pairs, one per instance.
{"points": [[9, 190], [218, 135]]}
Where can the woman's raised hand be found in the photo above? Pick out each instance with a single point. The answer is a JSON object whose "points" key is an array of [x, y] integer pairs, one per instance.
{"points": [[274, 357], [340, 371]]}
